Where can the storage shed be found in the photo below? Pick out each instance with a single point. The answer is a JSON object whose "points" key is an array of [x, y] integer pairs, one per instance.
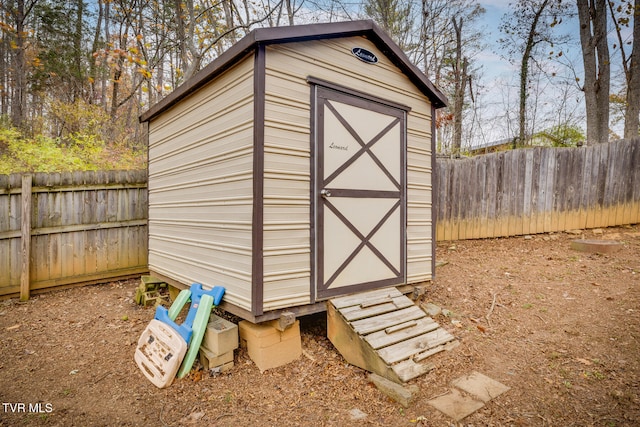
{"points": [[294, 168]]}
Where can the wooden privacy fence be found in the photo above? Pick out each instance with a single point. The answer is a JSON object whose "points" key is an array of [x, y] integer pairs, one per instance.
{"points": [[86, 227], [538, 190], [79, 227]]}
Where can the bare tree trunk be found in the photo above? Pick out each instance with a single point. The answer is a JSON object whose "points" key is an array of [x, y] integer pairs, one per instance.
{"points": [[461, 79], [4, 69], [181, 35], [115, 88], [159, 74], [423, 35], [77, 42], [632, 113], [228, 8], [592, 15], [94, 48], [524, 72], [291, 11], [107, 39], [118, 70], [190, 56], [19, 101]]}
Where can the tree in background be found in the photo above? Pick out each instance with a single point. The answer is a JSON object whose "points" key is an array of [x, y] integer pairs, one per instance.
{"points": [[562, 136], [18, 54], [625, 15], [462, 75], [395, 17], [61, 74], [592, 16], [632, 115], [65, 65], [444, 47], [526, 31]]}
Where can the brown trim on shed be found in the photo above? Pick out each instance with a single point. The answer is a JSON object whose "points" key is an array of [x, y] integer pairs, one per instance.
{"points": [[257, 273], [301, 310], [434, 183], [312, 191], [349, 91]]}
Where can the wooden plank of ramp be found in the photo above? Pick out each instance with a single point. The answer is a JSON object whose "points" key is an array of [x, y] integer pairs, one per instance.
{"points": [[365, 310], [414, 328], [409, 369], [413, 346], [357, 299], [383, 331], [387, 320]]}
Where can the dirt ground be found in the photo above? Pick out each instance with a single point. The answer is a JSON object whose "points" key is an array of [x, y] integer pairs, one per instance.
{"points": [[560, 327]]}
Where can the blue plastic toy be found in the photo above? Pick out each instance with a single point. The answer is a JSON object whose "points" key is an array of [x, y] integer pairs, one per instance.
{"points": [[195, 293], [165, 347]]}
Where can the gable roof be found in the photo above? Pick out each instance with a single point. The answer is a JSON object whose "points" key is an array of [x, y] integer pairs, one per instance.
{"points": [[298, 33]]}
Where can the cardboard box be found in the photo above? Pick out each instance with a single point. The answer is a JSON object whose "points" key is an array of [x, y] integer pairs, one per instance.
{"points": [[267, 346]]}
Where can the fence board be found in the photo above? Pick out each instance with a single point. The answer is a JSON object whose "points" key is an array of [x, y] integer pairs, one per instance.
{"points": [[573, 203], [5, 217], [533, 172], [539, 190], [520, 162], [444, 208], [585, 180], [491, 194], [465, 203], [623, 165], [601, 182], [634, 194], [481, 201], [561, 187], [610, 187], [25, 238], [505, 186]]}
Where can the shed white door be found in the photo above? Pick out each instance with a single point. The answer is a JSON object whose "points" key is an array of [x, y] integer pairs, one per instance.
{"points": [[359, 194]]}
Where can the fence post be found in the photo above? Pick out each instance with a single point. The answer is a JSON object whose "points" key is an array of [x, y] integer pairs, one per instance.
{"points": [[25, 234]]}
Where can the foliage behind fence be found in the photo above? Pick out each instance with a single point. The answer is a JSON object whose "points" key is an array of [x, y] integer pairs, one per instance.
{"points": [[83, 227], [538, 190]]}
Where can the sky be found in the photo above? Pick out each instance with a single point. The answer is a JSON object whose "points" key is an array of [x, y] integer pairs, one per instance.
{"points": [[490, 22], [558, 98], [500, 78]]}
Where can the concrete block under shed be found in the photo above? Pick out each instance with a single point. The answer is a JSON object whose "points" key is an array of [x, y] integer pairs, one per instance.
{"points": [[267, 346], [221, 336], [210, 360]]}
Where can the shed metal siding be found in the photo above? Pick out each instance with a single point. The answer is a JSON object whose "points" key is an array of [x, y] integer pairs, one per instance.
{"points": [[287, 250], [287, 241], [419, 196], [201, 186]]}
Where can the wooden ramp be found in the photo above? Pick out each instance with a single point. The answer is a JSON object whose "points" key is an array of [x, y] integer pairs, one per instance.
{"points": [[384, 332]]}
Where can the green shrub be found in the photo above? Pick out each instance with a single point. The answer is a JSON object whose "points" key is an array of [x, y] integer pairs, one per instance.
{"points": [[78, 152]]}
